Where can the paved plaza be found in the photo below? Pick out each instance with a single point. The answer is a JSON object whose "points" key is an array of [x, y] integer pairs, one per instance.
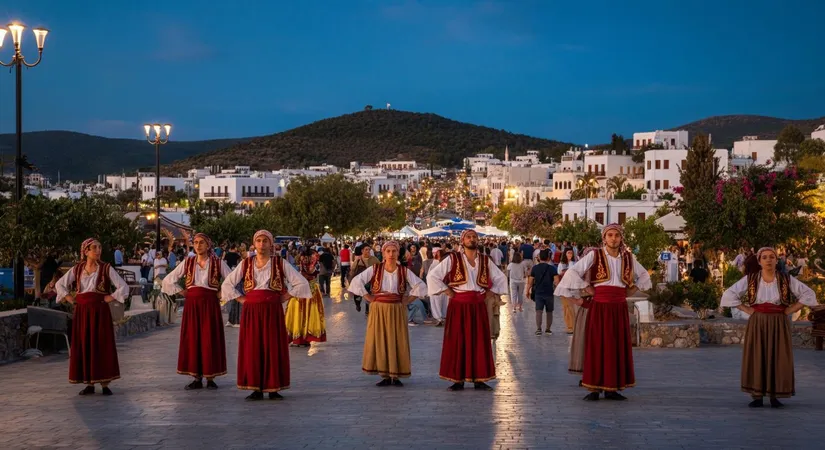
{"points": [[685, 398]]}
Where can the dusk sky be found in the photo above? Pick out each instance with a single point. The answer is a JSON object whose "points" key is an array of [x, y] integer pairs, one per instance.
{"points": [[574, 71]]}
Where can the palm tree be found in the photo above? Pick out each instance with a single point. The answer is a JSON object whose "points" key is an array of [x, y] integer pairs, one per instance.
{"points": [[588, 186], [616, 183]]}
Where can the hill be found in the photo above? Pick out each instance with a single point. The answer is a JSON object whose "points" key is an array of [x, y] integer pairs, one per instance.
{"points": [[369, 136], [82, 156], [724, 130]]}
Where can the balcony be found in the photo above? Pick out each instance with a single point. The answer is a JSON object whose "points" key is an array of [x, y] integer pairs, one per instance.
{"points": [[258, 195], [216, 195]]}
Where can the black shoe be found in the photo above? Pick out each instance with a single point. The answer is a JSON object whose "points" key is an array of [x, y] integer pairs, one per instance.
{"points": [[592, 397], [580, 383], [210, 384], [483, 387], [197, 384], [776, 403], [275, 396], [384, 382], [358, 307], [107, 391], [397, 383], [255, 395], [456, 387], [88, 390], [612, 395], [757, 403]]}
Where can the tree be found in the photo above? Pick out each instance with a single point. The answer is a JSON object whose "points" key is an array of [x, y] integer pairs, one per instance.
{"points": [[812, 148], [630, 193], [229, 228], [646, 238], [503, 218], [617, 142], [788, 144], [616, 183], [582, 231], [368, 108], [698, 178], [129, 199], [536, 220]]}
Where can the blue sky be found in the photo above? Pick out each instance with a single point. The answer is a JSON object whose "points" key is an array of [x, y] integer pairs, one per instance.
{"points": [[574, 71]]}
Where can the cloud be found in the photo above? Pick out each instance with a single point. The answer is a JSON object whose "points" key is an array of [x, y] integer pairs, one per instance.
{"points": [[480, 23], [177, 42]]}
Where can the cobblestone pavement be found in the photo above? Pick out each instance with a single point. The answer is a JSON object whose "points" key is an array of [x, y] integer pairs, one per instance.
{"points": [[685, 398]]}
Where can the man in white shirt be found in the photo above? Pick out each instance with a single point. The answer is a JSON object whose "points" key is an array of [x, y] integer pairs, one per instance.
{"points": [[496, 255]]}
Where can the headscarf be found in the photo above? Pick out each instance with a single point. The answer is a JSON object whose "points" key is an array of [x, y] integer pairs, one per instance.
{"points": [[264, 233], [211, 249], [85, 246], [613, 226], [766, 249], [391, 244], [465, 232]]}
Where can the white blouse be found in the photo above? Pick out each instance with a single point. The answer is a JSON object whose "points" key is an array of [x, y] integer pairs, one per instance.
{"points": [[389, 283], [170, 283], [435, 278], [574, 279], [296, 284], [88, 282], [767, 293]]}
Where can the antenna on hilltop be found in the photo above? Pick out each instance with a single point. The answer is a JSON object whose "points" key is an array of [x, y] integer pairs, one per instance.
{"points": [[388, 106]]}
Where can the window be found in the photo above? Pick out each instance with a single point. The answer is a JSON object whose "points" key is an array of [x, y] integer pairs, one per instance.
{"points": [[602, 168], [658, 185], [589, 168], [640, 216], [622, 218], [753, 155], [666, 184], [667, 164], [637, 143], [658, 164], [621, 170], [567, 217], [648, 165], [575, 216], [684, 162], [648, 185], [672, 142], [600, 217]]}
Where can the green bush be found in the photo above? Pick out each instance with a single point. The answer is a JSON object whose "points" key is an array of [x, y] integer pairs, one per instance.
{"points": [[664, 300], [702, 297]]}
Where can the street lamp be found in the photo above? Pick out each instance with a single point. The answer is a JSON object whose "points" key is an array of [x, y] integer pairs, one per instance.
{"points": [[18, 62], [155, 135]]}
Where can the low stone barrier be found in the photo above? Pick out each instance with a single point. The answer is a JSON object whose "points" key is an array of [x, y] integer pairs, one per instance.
{"points": [[136, 323], [723, 331], [13, 326]]}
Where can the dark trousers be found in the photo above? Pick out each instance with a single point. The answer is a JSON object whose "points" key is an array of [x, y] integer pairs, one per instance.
{"points": [[324, 281], [344, 273], [235, 312]]}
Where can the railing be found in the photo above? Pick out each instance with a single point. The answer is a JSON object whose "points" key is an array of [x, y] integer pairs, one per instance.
{"points": [[216, 194], [258, 194]]}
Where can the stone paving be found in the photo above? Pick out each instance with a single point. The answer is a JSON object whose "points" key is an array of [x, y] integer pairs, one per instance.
{"points": [[685, 398]]}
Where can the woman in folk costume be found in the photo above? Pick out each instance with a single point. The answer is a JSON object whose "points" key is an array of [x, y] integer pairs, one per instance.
{"points": [[466, 277], [614, 275], [94, 284], [305, 316], [767, 354], [266, 281], [581, 306], [202, 351], [387, 343]]}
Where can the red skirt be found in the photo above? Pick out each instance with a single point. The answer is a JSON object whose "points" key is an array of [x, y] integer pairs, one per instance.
{"points": [[93, 356], [263, 350], [202, 351], [467, 354], [608, 354]]}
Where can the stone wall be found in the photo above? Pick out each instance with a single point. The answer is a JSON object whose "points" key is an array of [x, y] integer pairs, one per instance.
{"points": [[13, 327], [731, 331], [723, 331], [670, 334], [136, 323]]}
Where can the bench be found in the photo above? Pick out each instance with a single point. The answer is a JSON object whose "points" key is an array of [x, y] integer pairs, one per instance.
{"points": [[49, 321]]}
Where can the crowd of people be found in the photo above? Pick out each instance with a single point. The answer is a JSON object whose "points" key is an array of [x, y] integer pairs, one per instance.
{"points": [[449, 283]]}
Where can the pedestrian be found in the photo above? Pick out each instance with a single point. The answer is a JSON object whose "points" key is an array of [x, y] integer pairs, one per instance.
{"points": [[540, 289], [517, 272]]}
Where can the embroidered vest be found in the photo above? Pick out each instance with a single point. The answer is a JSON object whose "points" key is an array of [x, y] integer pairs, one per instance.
{"points": [[378, 277], [600, 270], [276, 274], [104, 283], [309, 269], [784, 288], [457, 274], [214, 279]]}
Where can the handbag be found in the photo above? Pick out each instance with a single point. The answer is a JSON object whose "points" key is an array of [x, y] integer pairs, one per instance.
{"points": [[533, 290]]}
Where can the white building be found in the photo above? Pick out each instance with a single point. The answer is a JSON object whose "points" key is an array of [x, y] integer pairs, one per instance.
{"points": [[661, 168], [145, 183], [397, 165], [759, 151], [668, 139], [328, 168], [243, 187], [606, 211], [819, 133], [609, 164]]}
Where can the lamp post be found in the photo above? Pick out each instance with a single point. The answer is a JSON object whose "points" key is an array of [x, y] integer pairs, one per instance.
{"points": [[155, 135], [17, 63]]}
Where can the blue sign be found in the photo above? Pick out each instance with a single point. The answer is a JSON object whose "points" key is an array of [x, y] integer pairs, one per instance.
{"points": [[665, 256]]}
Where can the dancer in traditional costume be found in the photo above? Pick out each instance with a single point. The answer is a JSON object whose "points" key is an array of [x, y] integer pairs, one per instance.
{"points": [[581, 304], [91, 285], [438, 302], [767, 354], [466, 353], [391, 288], [305, 316], [202, 351], [266, 281], [614, 275]]}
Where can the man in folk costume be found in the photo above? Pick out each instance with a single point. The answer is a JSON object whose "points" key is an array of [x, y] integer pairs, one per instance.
{"points": [[614, 275], [202, 351], [392, 288], [767, 354], [466, 277], [266, 281], [91, 285]]}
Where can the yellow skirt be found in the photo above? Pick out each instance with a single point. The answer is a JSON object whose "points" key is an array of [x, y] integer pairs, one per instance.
{"points": [[305, 318], [387, 345]]}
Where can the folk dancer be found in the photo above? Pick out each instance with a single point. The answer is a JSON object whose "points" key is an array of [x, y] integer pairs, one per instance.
{"points": [[266, 281], [91, 285], [767, 354], [202, 350], [614, 275], [466, 277], [305, 316], [387, 343], [581, 305], [438, 302]]}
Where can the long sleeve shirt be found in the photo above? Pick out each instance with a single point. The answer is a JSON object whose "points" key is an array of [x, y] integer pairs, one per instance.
{"points": [[88, 282], [296, 284], [767, 293], [574, 278], [389, 283], [171, 286], [436, 284]]}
